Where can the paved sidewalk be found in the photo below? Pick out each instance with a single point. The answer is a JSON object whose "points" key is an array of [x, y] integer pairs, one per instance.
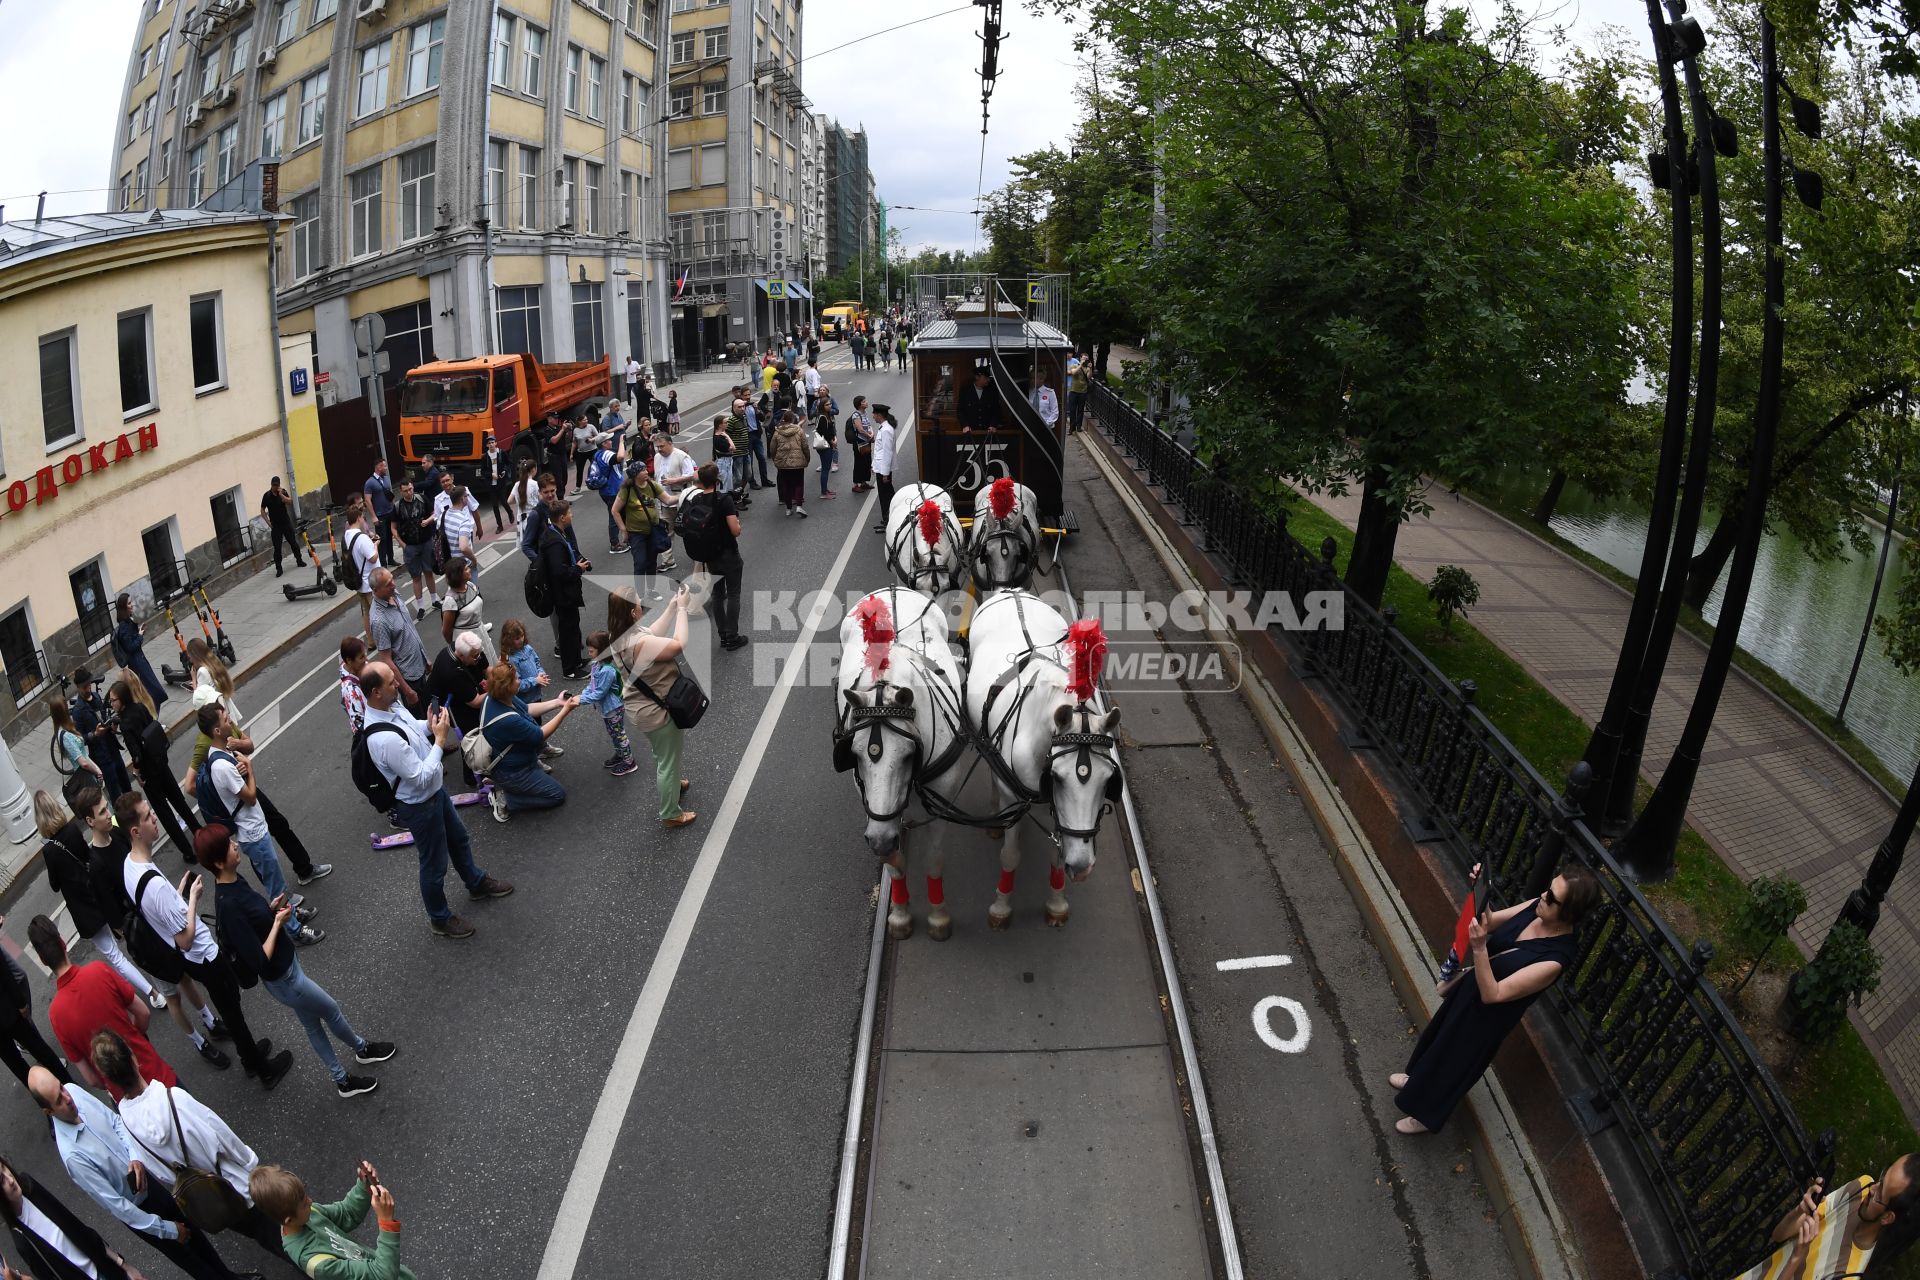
{"points": [[1773, 796]]}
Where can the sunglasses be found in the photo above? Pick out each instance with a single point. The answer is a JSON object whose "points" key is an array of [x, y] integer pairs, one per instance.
{"points": [[1546, 896]]}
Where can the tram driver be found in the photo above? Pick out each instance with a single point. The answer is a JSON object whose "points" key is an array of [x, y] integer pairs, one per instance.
{"points": [[979, 403]]}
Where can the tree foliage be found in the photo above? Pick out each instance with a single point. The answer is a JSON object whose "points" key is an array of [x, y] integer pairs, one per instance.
{"points": [[1391, 247]]}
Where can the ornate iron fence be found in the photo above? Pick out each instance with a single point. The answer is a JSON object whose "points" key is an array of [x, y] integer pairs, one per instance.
{"points": [[1721, 1148]]}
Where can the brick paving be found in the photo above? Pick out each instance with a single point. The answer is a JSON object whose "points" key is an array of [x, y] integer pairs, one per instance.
{"points": [[1774, 796]]}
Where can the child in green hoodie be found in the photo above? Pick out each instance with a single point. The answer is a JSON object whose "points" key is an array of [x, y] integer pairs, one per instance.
{"points": [[315, 1235]]}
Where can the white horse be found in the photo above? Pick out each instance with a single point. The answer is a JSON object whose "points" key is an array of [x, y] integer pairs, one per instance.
{"points": [[924, 548], [1030, 682], [900, 731], [1004, 543]]}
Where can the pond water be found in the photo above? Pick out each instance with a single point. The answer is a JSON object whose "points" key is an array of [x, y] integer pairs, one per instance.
{"points": [[1803, 619]]}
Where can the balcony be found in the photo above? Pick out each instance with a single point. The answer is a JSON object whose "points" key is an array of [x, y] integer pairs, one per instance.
{"points": [[776, 76]]}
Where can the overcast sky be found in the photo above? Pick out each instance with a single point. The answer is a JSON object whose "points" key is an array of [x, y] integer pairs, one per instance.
{"points": [[916, 90]]}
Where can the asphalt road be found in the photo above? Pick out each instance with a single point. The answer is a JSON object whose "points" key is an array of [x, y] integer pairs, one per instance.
{"points": [[726, 1150]]}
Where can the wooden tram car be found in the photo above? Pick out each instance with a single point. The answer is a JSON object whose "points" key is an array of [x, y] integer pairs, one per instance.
{"points": [[1020, 356]]}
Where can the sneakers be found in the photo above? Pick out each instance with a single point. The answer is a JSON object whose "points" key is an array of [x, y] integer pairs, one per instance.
{"points": [[552, 751], [318, 871], [556, 651], [733, 642], [786, 511], [308, 936], [801, 512], [498, 799], [354, 1086], [612, 761], [264, 1047], [829, 494], [451, 927], [375, 1051], [211, 1052], [277, 1067], [218, 1031], [628, 765], [305, 912], [489, 888]]}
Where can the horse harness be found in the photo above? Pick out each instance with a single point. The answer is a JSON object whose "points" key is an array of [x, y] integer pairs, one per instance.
{"points": [[1007, 530], [886, 717], [904, 538]]}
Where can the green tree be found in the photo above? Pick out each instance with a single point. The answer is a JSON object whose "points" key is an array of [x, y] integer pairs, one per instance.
{"points": [[1381, 258]]}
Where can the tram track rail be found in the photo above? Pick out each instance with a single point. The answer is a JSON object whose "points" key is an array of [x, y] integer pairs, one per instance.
{"points": [[847, 1258]]}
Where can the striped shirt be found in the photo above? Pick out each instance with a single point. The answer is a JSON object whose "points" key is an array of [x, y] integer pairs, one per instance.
{"points": [[1832, 1251]]}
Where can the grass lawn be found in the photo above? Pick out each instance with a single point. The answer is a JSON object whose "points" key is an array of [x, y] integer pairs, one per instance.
{"points": [[1839, 1086]]}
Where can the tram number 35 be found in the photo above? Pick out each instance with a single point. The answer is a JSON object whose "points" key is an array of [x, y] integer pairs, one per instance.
{"points": [[979, 463]]}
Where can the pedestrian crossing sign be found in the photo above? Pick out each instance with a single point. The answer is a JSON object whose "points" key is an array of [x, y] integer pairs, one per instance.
{"points": [[776, 288], [1036, 293]]}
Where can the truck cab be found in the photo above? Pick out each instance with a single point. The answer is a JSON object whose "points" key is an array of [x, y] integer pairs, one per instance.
{"points": [[449, 407]]}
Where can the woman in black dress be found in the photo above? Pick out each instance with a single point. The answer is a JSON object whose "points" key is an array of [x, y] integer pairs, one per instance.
{"points": [[1515, 954], [146, 741]]}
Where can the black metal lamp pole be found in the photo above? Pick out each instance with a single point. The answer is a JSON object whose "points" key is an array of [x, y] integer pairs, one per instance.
{"points": [[1669, 170], [1862, 907], [1711, 134], [1648, 846]]}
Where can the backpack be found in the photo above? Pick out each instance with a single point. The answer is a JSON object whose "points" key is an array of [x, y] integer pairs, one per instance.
{"points": [[213, 806], [477, 750], [537, 588], [697, 521], [368, 779], [157, 955], [350, 564], [597, 471], [206, 1200]]}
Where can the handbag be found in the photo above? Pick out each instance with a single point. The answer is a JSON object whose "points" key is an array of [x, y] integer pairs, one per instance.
{"points": [[206, 1200], [157, 955], [661, 537], [685, 702]]}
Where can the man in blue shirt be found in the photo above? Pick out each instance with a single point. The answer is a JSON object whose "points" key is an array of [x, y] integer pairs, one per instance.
{"points": [[379, 492], [99, 1158]]}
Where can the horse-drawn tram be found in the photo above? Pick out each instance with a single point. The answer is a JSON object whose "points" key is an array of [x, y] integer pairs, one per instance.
{"points": [[989, 380]]}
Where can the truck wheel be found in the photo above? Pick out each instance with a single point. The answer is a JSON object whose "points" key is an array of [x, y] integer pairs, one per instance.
{"points": [[523, 452]]}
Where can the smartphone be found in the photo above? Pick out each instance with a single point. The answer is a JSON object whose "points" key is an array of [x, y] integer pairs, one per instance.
{"points": [[434, 706]]}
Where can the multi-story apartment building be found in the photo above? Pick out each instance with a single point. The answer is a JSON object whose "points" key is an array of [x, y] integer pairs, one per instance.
{"points": [[483, 177], [737, 122], [848, 197], [813, 196]]}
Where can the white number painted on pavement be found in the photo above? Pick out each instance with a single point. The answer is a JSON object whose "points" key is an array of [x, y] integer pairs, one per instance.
{"points": [[1263, 1025]]}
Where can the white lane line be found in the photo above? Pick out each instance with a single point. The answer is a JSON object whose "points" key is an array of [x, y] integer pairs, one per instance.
{"points": [[575, 1214], [1254, 962]]}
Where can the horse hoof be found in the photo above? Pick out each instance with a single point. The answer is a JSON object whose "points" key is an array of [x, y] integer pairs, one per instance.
{"points": [[940, 932], [999, 922], [900, 930], [1057, 920]]}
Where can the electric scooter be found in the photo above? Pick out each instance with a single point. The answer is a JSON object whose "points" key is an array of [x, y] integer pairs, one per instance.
{"points": [[178, 679], [221, 645], [321, 582]]}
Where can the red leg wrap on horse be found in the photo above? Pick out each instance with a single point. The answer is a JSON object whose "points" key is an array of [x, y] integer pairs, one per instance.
{"points": [[1058, 879], [899, 892], [1006, 882], [936, 890]]}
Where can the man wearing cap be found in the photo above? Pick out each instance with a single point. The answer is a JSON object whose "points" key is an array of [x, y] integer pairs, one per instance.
{"points": [[978, 404], [95, 723], [883, 446]]}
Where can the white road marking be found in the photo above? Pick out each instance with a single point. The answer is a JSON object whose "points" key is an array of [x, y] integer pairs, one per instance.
{"points": [[1254, 962], [575, 1214], [1263, 1025]]}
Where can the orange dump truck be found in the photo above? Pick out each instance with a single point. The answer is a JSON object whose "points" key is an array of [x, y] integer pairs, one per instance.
{"points": [[448, 407]]}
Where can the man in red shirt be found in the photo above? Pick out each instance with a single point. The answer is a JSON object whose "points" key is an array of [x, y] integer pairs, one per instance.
{"points": [[92, 998]]}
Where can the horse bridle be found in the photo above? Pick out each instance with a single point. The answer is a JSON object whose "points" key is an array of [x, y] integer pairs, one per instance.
{"points": [[933, 568], [1082, 744], [1003, 530], [885, 717]]}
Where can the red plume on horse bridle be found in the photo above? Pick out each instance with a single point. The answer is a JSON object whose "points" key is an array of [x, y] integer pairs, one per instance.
{"points": [[930, 522], [876, 631], [1087, 656], [1000, 497]]}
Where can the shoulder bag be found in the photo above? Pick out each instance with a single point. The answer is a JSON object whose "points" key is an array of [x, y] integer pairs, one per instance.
{"points": [[206, 1200], [685, 701]]}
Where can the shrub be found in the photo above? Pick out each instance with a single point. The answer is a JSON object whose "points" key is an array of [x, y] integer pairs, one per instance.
{"points": [[1846, 971], [1452, 591]]}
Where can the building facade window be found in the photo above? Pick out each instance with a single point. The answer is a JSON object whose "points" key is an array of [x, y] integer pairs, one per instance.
{"points": [[596, 88], [589, 326], [242, 50], [370, 81], [162, 547], [425, 44], [149, 112], [518, 314], [633, 104], [363, 212], [273, 124], [141, 185], [134, 330], [226, 154], [59, 389], [133, 125], [324, 9], [306, 235], [575, 56], [650, 21], [680, 169], [716, 38], [209, 72], [89, 586], [497, 183], [416, 193], [529, 186], [713, 98], [569, 190], [680, 101], [20, 652], [533, 55], [631, 194], [681, 46], [590, 183], [500, 70], [409, 340], [209, 344], [229, 527], [713, 164], [173, 89], [286, 21], [197, 174], [313, 108]]}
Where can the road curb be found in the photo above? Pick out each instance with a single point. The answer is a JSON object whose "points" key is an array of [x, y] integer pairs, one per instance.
{"points": [[1538, 1237]]}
